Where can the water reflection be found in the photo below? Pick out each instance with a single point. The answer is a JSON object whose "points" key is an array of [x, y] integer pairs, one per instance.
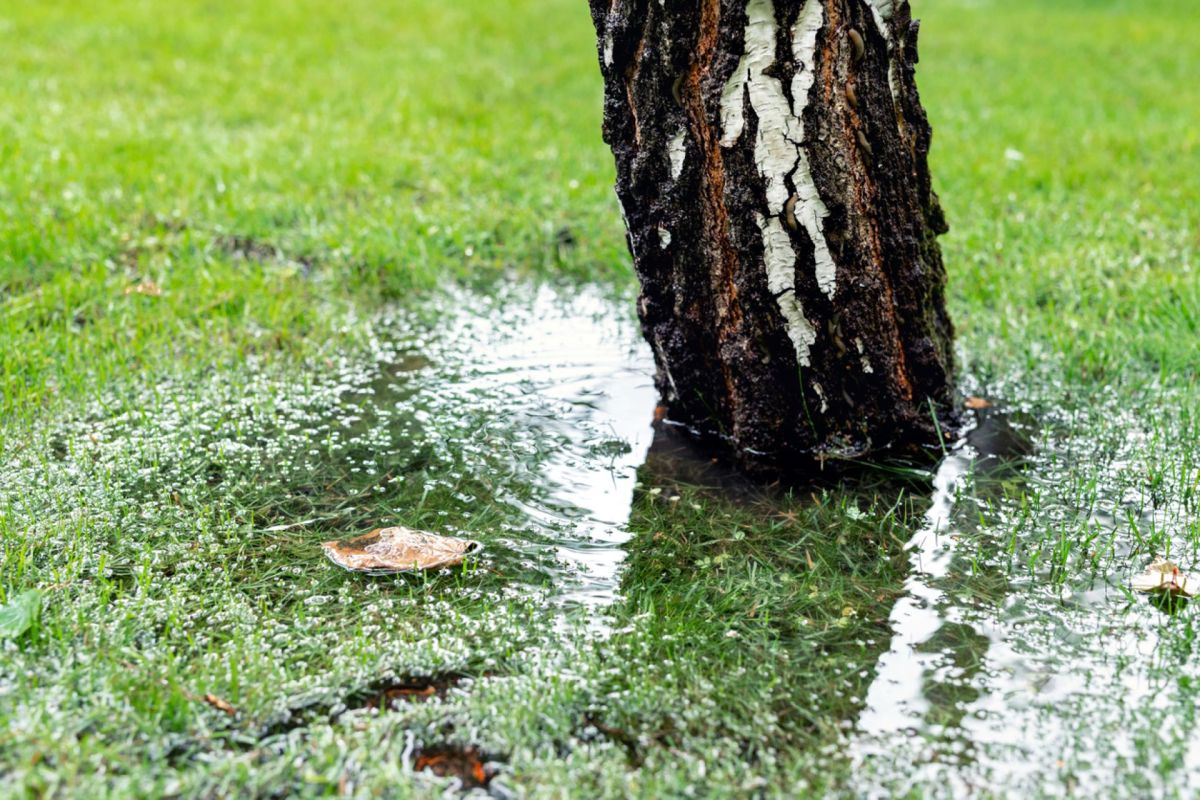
{"points": [[925, 678], [1000, 675], [570, 370], [676, 457], [933, 675], [897, 702], [1011, 670], [600, 386]]}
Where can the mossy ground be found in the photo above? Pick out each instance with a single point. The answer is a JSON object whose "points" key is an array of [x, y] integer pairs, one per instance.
{"points": [[294, 184]]}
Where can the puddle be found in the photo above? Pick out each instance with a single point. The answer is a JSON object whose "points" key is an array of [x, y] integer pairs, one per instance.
{"points": [[570, 380], [518, 418], [585, 382], [1014, 670], [675, 457], [1017, 664], [896, 701], [923, 618]]}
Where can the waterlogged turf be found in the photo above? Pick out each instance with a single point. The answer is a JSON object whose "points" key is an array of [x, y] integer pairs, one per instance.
{"points": [[175, 523], [278, 274]]}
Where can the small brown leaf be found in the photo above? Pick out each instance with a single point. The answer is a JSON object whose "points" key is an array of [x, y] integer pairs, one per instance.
{"points": [[389, 550], [977, 403], [147, 288], [219, 704]]}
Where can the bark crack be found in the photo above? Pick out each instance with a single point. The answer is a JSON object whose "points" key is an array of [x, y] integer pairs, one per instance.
{"points": [[791, 194]]}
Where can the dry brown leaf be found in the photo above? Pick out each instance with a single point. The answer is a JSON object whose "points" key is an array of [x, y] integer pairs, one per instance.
{"points": [[219, 704], [1165, 577], [388, 550], [147, 288], [977, 403]]}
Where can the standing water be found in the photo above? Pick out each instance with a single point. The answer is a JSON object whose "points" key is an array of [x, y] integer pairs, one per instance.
{"points": [[576, 371], [1020, 665], [546, 394], [1017, 667]]}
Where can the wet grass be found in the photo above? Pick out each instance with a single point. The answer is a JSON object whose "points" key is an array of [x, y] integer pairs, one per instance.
{"points": [[173, 529], [289, 185]]}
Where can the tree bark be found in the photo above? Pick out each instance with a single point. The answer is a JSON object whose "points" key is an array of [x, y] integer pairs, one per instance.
{"points": [[772, 170]]}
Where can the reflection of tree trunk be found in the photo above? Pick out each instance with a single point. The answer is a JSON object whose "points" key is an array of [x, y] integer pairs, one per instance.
{"points": [[944, 627], [771, 164], [678, 459], [1001, 448]]}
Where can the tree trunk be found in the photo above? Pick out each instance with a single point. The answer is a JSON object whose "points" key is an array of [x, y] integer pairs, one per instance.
{"points": [[772, 170]]}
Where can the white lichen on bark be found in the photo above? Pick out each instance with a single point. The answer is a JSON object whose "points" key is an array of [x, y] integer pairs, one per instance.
{"points": [[882, 10], [862, 356], [664, 237], [678, 152], [781, 282], [779, 154], [810, 209]]}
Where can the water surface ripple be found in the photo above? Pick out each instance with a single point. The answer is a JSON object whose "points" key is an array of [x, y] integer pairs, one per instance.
{"points": [[1013, 670]]}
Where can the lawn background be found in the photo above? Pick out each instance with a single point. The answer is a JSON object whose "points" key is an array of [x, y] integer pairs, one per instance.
{"points": [[272, 174]]}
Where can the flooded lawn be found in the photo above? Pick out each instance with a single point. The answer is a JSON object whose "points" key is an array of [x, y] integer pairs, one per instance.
{"points": [[639, 620], [223, 343], [1021, 662]]}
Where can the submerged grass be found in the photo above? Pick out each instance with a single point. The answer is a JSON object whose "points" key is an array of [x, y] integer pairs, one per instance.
{"points": [[289, 184], [173, 527]]}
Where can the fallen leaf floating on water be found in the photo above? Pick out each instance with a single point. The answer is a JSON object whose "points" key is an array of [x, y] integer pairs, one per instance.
{"points": [[1165, 577], [389, 550]]}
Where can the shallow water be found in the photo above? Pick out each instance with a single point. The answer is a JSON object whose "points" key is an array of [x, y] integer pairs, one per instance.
{"points": [[573, 371], [1018, 665], [1014, 669], [1011, 682]]}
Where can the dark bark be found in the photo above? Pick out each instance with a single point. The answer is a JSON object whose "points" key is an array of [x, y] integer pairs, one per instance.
{"points": [[726, 233]]}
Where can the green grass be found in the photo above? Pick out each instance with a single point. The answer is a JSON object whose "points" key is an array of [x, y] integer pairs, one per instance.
{"points": [[371, 140], [300, 180]]}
